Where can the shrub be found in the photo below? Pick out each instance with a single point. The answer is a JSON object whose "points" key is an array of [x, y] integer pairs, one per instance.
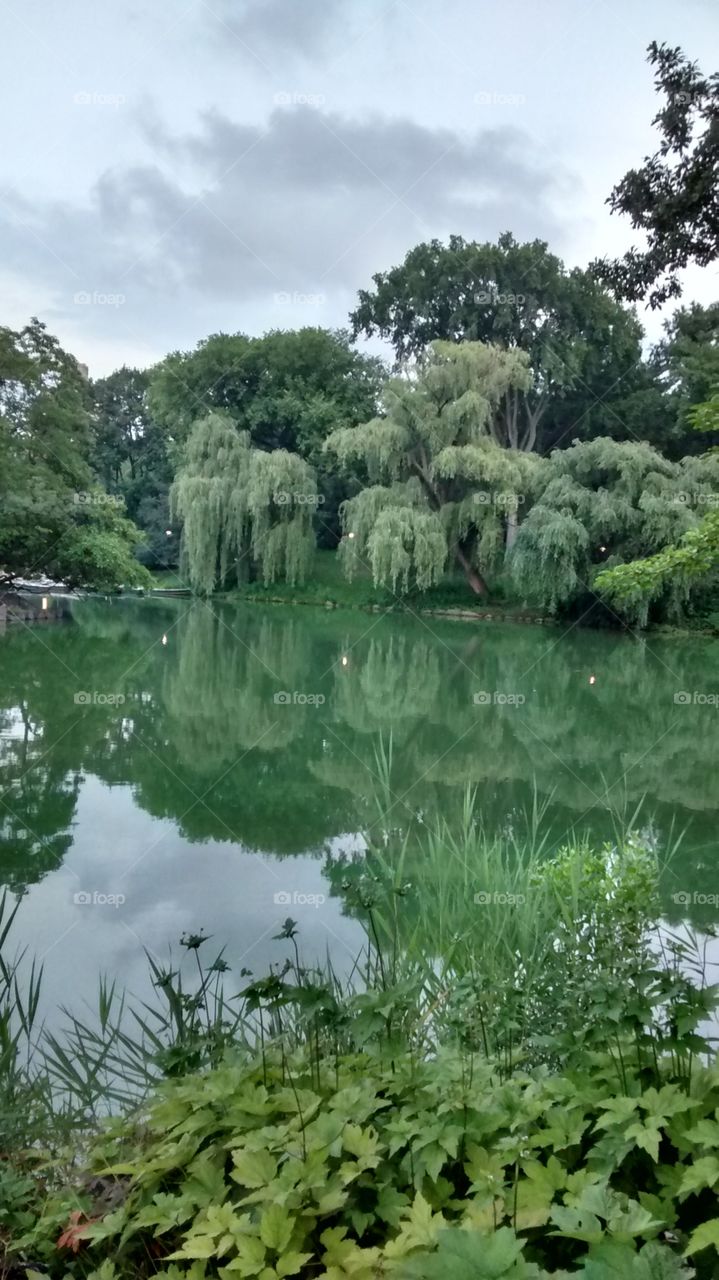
{"points": [[411, 1168]]}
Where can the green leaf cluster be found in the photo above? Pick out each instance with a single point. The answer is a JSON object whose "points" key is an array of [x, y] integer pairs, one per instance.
{"points": [[406, 1169]]}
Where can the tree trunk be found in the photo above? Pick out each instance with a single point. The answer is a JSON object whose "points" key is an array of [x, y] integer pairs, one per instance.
{"points": [[533, 419], [511, 532], [475, 579]]}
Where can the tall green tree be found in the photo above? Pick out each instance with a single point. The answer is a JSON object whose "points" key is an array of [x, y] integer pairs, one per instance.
{"points": [[121, 423], [584, 348], [287, 390], [243, 509], [441, 484], [673, 198], [132, 457], [687, 365], [54, 518]]}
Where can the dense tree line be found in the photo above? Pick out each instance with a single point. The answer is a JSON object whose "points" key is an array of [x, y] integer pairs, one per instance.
{"points": [[271, 446], [54, 515]]}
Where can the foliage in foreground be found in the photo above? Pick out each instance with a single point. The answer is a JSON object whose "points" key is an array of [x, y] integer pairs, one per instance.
{"points": [[539, 1101], [409, 1168]]}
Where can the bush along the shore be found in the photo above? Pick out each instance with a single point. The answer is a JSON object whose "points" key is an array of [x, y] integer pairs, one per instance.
{"points": [[422, 1169], [539, 1101]]}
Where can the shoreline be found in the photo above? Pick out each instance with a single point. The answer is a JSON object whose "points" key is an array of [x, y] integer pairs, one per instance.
{"points": [[16, 608], [489, 614]]}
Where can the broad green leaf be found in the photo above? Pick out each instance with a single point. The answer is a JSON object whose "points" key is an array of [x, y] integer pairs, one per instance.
{"points": [[705, 1133], [253, 1168], [276, 1227], [702, 1173], [290, 1263], [613, 1261], [362, 1143], [196, 1247], [250, 1259], [647, 1136], [469, 1255], [577, 1224], [704, 1236]]}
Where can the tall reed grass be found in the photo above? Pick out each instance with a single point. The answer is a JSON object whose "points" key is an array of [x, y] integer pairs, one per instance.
{"points": [[496, 944]]}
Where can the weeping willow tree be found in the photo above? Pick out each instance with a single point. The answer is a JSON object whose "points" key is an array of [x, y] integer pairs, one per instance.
{"points": [[242, 509], [604, 503], [677, 571], [442, 489]]}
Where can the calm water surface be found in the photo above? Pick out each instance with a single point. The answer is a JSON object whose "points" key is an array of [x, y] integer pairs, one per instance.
{"points": [[167, 766]]}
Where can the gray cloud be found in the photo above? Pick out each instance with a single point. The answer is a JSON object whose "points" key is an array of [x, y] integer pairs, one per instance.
{"points": [[307, 205], [266, 27], [482, 117]]}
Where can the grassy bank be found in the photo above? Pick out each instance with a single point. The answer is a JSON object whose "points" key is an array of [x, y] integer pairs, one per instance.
{"points": [[530, 1097], [327, 587]]}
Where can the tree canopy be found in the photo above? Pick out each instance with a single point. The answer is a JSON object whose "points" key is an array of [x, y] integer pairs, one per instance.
{"points": [[54, 518], [673, 198], [583, 348], [131, 456], [687, 365], [287, 390]]}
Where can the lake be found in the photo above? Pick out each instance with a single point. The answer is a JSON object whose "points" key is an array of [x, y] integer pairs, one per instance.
{"points": [[169, 765]]}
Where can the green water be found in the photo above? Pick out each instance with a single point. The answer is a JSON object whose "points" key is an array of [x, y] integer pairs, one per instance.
{"points": [[147, 764]]}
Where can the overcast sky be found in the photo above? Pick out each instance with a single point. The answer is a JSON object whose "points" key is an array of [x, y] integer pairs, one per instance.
{"points": [[173, 169]]}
